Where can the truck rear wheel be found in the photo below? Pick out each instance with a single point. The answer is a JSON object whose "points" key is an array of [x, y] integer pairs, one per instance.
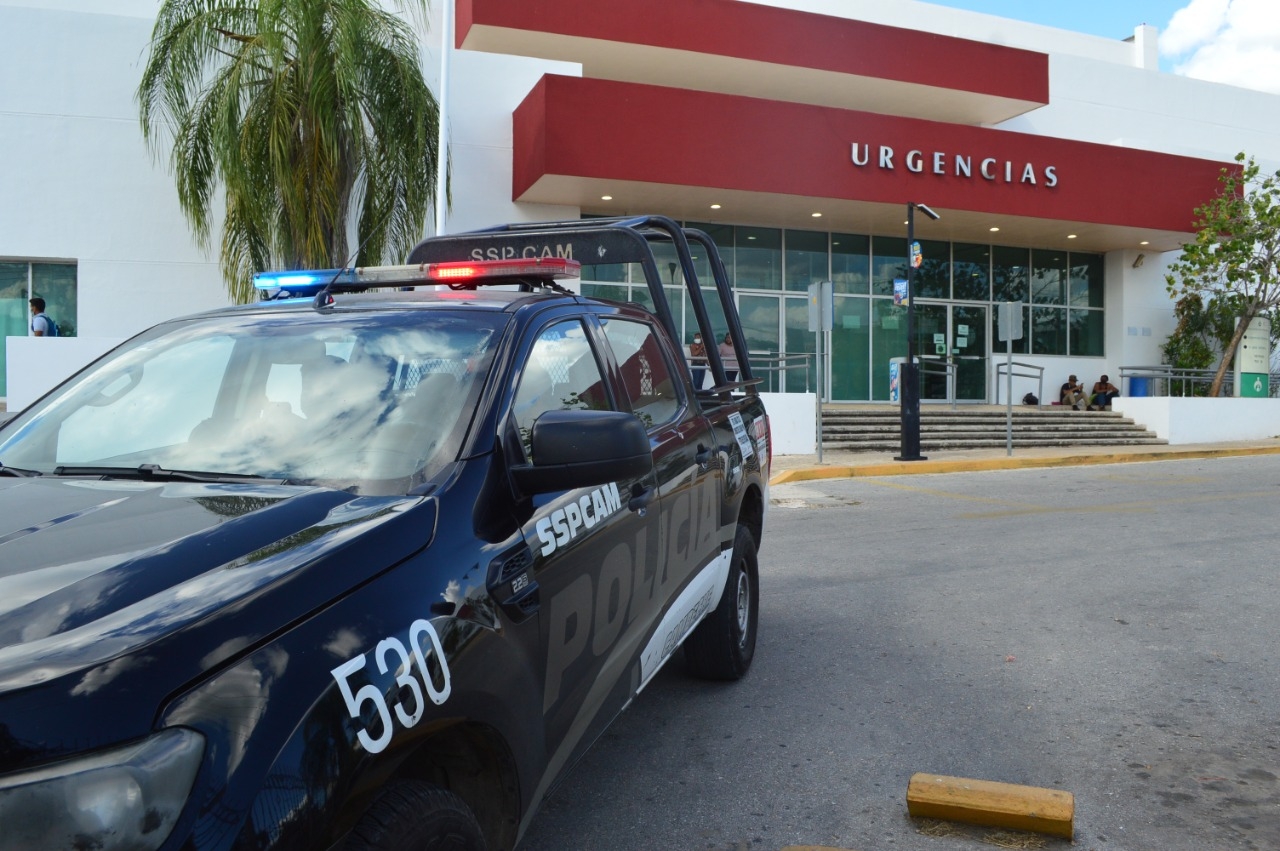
{"points": [[722, 646], [411, 815]]}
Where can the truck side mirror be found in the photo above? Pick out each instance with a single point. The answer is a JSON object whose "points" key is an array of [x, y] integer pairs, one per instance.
{"points": [[578, 449]]}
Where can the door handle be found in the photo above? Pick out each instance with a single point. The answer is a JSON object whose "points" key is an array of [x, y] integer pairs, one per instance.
{"points": [[641, 496], [704, 456]]}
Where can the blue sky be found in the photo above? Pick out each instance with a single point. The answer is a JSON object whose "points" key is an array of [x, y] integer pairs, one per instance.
{"points": [[1108, 18], [1227, 41]]}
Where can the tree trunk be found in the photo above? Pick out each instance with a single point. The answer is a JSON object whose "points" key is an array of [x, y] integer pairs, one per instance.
{"points": [[1230, 354]]}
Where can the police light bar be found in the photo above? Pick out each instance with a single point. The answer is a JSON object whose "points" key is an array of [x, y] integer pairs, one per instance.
{"points": [[457, 274]]}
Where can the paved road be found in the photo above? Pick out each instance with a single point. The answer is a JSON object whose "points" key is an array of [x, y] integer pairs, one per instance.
{"points": [[1104, 630]]}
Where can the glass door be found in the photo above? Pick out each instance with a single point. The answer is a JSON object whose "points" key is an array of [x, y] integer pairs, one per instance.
{"points": [[951, 340], [969, 348], [932, 347]]}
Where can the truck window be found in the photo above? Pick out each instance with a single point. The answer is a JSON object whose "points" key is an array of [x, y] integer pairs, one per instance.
{"points": [[646, 375], [561, 373]]}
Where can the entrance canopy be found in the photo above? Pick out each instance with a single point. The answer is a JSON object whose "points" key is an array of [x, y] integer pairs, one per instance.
{"points": [[730, 111]]}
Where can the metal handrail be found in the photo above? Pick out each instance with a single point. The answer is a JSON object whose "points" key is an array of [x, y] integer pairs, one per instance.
{"points": [[1002, 369], [1185, 381], [777, 364], [948, 370]]}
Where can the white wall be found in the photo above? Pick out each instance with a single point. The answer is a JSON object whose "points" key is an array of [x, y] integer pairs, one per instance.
{"points": [[1194, 420], [79, 183], [486, 89], [793, 422]]}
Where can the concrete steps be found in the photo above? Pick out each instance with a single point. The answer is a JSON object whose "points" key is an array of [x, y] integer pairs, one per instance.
{"points": [[876, 429]]}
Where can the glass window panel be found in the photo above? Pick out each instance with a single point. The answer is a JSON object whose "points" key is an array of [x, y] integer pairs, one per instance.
{"points": [[1010, 274], [806, 259], [613, 292], [722, 236], [758, 258], [14, 312], [759, 314], [888, 340], [615, 273], [802, 374], [1086, 280], [888, 261], [972, 272], [665, 258], [851, 263], [998, 346], [1087, 333], [933, 278], [1049, 331], [850, 347], [1048, 277], [56, 284]]}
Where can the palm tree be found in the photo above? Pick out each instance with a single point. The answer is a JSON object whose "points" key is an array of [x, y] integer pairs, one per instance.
{"points": [[305, 112]]}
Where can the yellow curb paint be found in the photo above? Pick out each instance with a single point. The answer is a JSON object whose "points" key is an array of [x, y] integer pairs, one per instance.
{"points": [[991, 804], [905, 468]]}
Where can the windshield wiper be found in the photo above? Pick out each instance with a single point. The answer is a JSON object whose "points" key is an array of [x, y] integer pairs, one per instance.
{"points": [[18, 471], [154, 472]]}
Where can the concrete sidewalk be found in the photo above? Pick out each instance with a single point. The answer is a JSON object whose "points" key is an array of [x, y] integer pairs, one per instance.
{"points": [[842, 464]]}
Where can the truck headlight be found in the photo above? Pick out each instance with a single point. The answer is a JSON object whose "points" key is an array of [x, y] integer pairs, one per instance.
{"points": [[124, 799]]}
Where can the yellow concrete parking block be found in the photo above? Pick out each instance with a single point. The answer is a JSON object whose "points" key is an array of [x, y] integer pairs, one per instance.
{"points": [[992, 804]]}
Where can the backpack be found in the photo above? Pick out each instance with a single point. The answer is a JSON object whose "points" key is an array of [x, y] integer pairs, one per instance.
{"points": [[1030, 399], [52, 330]]}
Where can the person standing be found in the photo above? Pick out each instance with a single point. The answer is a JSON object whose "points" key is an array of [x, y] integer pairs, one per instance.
{"points": [[698, 360], [729, 357], [41, 325]]}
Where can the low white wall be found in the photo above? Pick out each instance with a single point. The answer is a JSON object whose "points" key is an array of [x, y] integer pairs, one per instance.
{"points": [[1195, 420], [793, 422], [35, 365]]}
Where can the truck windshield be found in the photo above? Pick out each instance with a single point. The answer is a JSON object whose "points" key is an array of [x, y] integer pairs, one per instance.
{"points": [[367, 402]]}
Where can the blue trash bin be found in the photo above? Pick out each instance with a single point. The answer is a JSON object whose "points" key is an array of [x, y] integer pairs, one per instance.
{"points": [[1139, 387]]}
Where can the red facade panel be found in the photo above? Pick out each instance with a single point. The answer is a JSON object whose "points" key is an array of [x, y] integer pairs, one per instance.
{"points": [[780, 36], [579, 127]]}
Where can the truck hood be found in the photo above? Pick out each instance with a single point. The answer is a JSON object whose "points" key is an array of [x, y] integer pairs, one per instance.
{"points": [[92, 570]]}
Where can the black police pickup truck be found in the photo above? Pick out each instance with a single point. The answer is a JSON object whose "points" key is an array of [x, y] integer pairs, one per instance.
{"points": [[369, 570]]}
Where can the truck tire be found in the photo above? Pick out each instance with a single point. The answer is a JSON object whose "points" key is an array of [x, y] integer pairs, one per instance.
{"points": [[722, 646], [411, 815]]}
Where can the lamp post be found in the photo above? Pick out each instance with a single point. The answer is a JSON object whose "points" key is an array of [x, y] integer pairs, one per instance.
{"points": [[909, 375]]}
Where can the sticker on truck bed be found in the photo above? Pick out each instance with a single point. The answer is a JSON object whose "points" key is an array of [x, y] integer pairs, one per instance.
{"points": [[740, 434]]}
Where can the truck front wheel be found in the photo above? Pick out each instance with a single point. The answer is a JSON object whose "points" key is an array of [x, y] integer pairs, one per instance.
{"points": [[414, 816], [723, 644]]}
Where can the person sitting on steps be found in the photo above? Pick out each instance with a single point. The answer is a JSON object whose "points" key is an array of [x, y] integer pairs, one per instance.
{"points": [[1072, 394], [1103, 392]]}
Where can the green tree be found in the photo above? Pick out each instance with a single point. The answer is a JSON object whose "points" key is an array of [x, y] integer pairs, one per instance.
{"points": [[1234, 257], [305, 114]]}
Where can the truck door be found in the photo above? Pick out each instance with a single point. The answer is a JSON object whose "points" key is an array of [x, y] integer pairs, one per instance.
{"points": [[688, 470], [591, 552]]}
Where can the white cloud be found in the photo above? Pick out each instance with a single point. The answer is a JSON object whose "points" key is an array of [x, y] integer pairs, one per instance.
{"points": [[1226, 41]]}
